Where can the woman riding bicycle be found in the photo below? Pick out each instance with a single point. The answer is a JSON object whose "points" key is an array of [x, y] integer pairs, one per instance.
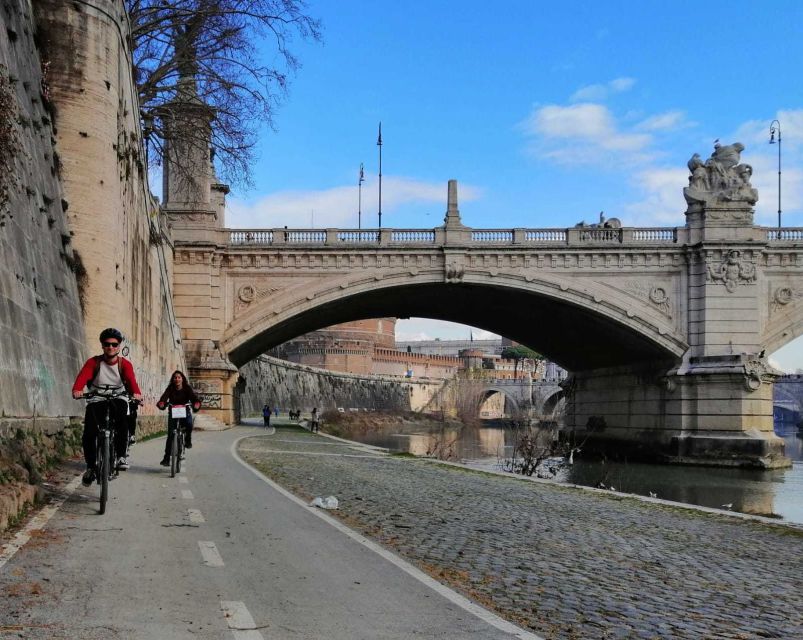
{"points": [[111, 371], [178, 392]]}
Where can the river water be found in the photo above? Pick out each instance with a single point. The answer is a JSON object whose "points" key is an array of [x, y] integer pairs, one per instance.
{"points": [[777, 493]]}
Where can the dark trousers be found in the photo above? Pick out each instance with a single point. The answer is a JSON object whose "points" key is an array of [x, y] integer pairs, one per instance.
{"points": [[266, 420], [171, 429], [95, 415]]}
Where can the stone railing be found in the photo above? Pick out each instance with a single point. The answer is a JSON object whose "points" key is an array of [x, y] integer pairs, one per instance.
{"points": [[785, 234], [441, 236]]}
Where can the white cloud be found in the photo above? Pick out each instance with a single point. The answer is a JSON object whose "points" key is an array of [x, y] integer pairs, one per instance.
{"points": [[669, 121], [598, 92], [337, 207], [663, 203], [592, 129]]}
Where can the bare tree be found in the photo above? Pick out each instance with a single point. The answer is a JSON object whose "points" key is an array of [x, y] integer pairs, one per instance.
{"points": [[220, 46]]}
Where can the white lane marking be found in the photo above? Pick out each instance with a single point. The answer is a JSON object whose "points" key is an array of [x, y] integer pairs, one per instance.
{"points": [[452, 596], [240, 622], [183, 480], [210, 554], [187, 494], [195, 516], [316, 453], [36, 523]]}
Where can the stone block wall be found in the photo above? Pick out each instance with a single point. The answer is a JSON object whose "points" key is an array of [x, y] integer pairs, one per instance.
{"points": [[41, 328], [288, 385], [117, 229]]}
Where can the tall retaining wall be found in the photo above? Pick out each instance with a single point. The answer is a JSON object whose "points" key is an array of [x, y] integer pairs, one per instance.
{"points": [[41, 328], [292, 386], [83, 245], [118, 231]]}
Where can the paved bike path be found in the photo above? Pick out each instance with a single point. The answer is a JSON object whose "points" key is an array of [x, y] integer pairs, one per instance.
{"points": [[214, 553]]}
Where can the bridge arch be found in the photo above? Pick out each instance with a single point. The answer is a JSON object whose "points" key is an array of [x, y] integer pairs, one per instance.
{"points": [[587, 326]]}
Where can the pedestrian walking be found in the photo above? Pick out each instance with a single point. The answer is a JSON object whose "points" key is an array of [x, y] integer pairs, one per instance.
{"points": [[314, 424], [276, 410], [266, 415]]}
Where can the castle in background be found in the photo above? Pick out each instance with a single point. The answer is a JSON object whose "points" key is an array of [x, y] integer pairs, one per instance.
{"points": [[370, 347]]}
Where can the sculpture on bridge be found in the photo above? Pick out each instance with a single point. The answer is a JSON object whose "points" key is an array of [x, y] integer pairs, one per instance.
{"points": [[610, 223], [721, 178]]}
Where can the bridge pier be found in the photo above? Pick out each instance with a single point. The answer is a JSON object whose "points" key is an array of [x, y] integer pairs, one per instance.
{"points": [[714, 411]]}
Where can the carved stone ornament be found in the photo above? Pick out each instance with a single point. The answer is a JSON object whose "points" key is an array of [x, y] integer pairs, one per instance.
{"points": [[249, 293], [454, 271], [754, 370], [732, 271], [720, 179], [784, 296], [656, 294]]}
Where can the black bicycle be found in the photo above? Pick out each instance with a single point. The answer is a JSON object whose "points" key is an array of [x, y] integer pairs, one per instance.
{"points": [[179, 414], [105, 469]]}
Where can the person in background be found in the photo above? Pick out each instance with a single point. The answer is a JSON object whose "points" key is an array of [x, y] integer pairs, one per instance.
{"points": [[314, 423], [178, 392], [266, 415]]}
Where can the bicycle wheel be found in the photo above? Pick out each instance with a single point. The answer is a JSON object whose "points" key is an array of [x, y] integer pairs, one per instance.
{"points": [[103, 470], [174, 453]]}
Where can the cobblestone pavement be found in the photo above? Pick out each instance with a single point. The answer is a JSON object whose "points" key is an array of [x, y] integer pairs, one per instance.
{"points": [[564, 562]]}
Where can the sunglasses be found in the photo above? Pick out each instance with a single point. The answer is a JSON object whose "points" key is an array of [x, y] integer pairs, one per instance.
{"points": [[111, 344]]}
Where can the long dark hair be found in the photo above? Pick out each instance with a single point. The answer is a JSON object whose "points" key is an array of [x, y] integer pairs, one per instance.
{"points": [[184, 382]]}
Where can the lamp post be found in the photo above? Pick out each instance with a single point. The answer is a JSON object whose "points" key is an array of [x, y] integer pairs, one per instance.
{"points": [[379, 144], [776, 126], [359, 197]]}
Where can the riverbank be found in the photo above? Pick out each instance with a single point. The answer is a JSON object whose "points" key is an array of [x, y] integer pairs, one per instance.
{"points": [[567, 563]]}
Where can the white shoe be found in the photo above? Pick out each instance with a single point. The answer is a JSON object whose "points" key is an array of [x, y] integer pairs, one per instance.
{"points": [[122, 464]]}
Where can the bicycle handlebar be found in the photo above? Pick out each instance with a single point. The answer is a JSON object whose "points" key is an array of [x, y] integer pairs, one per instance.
{"points": [[107, 392]]}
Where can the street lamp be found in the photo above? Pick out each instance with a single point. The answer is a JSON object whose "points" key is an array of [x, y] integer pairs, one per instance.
{"points": [[776, 126]]}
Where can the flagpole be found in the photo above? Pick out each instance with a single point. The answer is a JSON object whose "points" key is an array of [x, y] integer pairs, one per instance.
{"points": [[359, 197], [379, 144]]}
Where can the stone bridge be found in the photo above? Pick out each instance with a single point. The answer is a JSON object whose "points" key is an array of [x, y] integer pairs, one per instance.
{"points": [[536, 398], [665, 330]]}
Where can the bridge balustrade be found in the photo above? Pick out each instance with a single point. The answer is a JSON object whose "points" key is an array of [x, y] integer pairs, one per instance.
{"points": [[410, 236], [600, 234], [488, 237], [251, 237], [359, 237], [545, 235], [655, 235], [493, 235], [789, 233]]}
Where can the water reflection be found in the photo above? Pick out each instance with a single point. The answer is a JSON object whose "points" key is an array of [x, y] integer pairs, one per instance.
{"points": [[777, 493]]}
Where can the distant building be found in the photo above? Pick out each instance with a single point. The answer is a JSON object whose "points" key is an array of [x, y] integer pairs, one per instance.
{"points": [[364, 347], [450, 347]]}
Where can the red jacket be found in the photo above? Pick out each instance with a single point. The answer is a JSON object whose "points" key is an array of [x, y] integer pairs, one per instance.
{"points": [[90, 369]]}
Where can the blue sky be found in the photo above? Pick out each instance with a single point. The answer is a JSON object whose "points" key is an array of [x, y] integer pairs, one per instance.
{"points": [[546, 113]]}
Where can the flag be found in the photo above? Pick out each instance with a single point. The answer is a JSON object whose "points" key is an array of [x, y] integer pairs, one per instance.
{"points": [[379, 139], [362, 174]]}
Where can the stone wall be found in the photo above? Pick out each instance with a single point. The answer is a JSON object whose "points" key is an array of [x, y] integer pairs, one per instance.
{"points": [[118, 230], [292, 386], [41, 331]]}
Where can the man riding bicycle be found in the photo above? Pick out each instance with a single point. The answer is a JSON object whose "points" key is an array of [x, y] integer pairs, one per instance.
{"points": [[109, 370]]}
